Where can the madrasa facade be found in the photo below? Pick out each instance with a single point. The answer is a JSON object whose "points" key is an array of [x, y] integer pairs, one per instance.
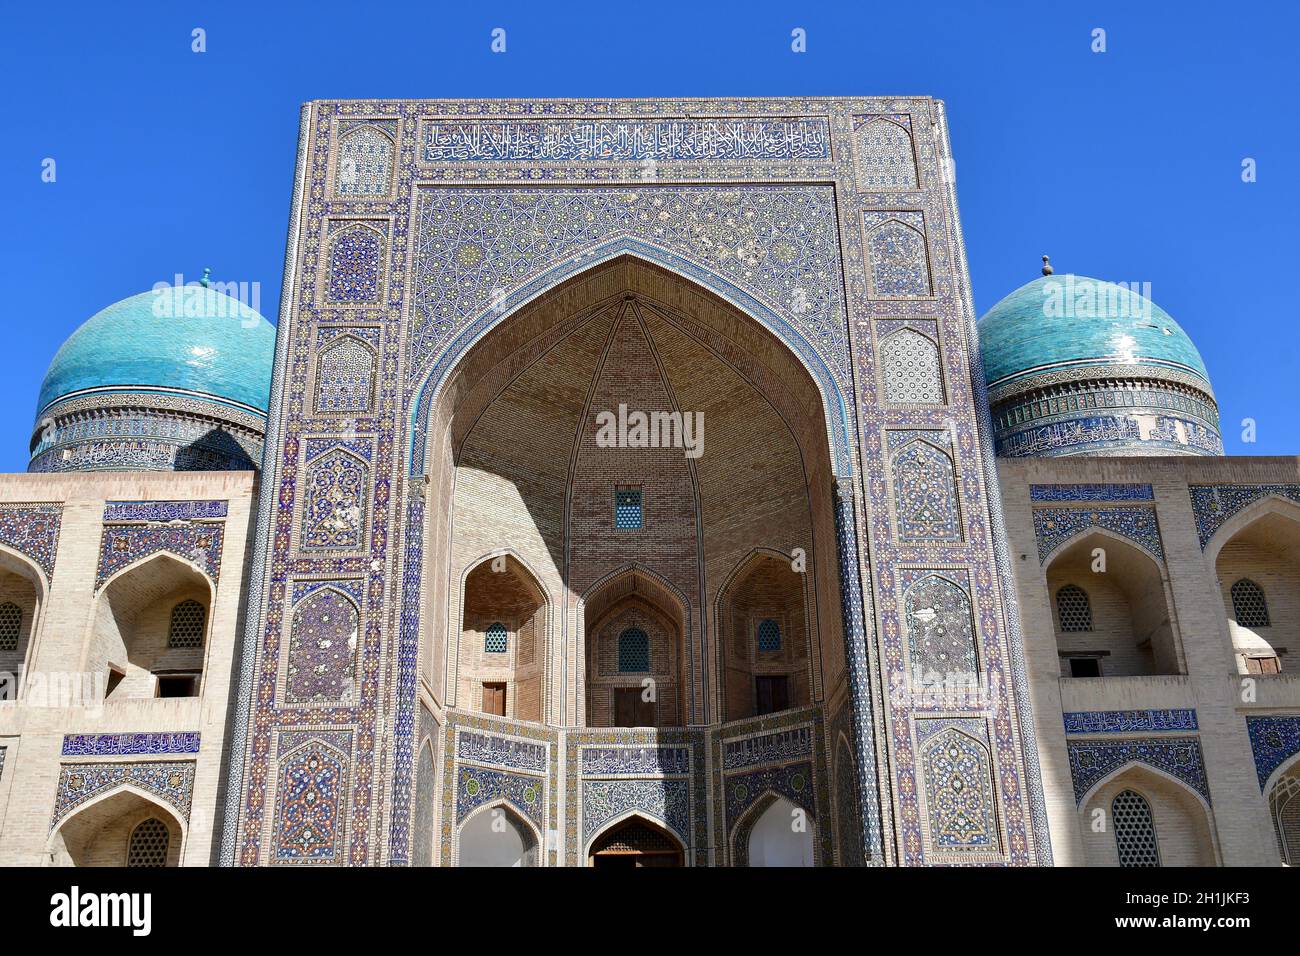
{"points": [[630, 483]]}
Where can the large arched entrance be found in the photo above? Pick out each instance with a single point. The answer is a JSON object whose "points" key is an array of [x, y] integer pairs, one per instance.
{"points": [[630, 418]]}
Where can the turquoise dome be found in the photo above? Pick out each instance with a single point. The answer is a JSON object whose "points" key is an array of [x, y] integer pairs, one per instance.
{"points": [[191, 340], [1078, 366], [1068, 321]]}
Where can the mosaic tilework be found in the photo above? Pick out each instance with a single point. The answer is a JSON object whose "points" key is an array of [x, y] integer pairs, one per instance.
{"points": [[310, 797], [1093, 759], [958, 785], [940, 631], [408, 648], [864, 713], [121, 745], [365, 159], [1215, 504], [624, 139], [345, 377], [1273, 741], [336, 491], [172, 782], [911, 370], [164, 511], [1098, 433], [1129, 721], [1054, 526], [476, 786], [925, 486], [356, 264], [882, 146], [322, 649], [792, 781], [896, 253], [32, 530], [665, 801], [123, 545], [1092, 492], [779, 241]]}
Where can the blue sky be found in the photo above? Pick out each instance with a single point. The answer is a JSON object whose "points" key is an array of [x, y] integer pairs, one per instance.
{"points": [[1124, 165]]}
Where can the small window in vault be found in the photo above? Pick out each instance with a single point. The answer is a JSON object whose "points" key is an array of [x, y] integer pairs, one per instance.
{"points": [[628, 514]]}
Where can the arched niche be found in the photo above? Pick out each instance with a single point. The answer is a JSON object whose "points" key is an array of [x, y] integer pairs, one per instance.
{"points": [[776, 833], [142, 636], [501, 654], [763, 637], [123, 828], [497, 836], [505, 436], [22, 592], [1257, 563], [1130, 630], [1180, 826]]}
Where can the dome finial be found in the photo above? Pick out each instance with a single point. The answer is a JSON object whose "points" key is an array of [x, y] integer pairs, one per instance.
{"points": [[207, 275], [1047, 266]]}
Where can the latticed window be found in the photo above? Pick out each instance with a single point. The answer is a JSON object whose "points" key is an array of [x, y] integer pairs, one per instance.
{"points": [[148, 845], [627, 508], [11, 622], [186, 630], [495, 639], [633, 651], [1248, 604], [1135, 831], [1074, 609], [769, 635]]}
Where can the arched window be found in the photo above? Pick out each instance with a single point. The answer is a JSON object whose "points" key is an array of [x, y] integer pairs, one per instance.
{"points": [[769, 636], [495, 639], [1248, 604], [1074, 609], [633, 651], [186, 630], [148, 844], [11, 623], [1135, 830]]}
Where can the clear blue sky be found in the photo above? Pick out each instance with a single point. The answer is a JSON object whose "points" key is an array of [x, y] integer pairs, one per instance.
{"points": [[1124, 165]]}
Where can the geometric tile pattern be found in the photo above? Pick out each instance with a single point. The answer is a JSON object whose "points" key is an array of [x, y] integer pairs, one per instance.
{"points": [[334, 512], [365, 163], [792, 781], [170, 782], [883, 149], [910, 362], [1092, 759], [122, 545], [940, 631], [34, 531], [356, 264], [477, 786], [322, 649], [1273, 740], [1054, 526], [900, 265], [1215, 504]]}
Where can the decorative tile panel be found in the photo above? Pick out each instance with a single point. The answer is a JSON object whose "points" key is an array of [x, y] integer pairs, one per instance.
{"points": [[1091, 492], [123, 545], [310, 797], [356, 264], [956, 768], [925, 486], [909, 363], [476, 786], [897, 254], [1054, 526], [172, 782], [322, 649], [666, 801], [882, 146], [1273, 741], [1215, 504], [32, 530], [1093, 759], [164, 511]]}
